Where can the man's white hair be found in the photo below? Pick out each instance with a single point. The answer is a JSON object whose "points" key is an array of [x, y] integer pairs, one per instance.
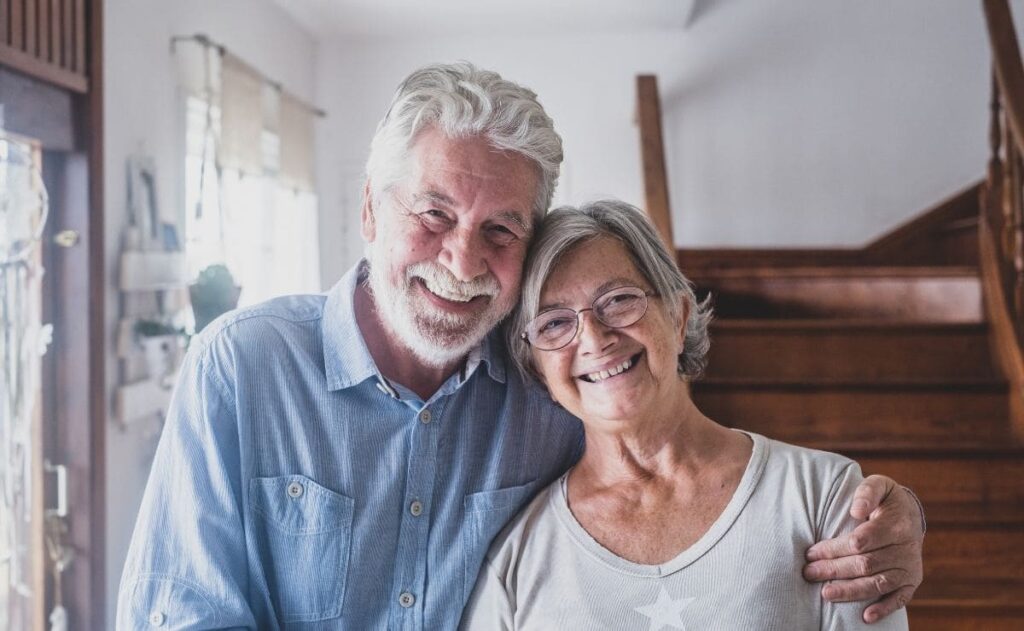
{"points": [[461, 101]]}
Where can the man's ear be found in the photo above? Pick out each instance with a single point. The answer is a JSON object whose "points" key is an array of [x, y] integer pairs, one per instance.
{"points": [[368, 220]]}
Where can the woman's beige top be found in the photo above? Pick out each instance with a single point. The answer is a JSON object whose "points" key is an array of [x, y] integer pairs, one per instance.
{"points": [[545, 572]]}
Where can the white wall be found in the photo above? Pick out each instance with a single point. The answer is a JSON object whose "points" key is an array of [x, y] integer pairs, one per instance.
{"points": [[142, 115], [804, 122], [796, 123]]}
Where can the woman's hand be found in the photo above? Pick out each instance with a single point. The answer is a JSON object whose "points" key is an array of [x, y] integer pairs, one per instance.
{"points": [[880, 558]]}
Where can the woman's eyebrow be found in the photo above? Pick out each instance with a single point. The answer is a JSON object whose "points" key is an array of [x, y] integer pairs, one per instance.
{"points": [[615, 283], [612, 283]]}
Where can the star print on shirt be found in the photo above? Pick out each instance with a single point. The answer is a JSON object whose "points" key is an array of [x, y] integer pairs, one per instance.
{"points": [[665, 612]]}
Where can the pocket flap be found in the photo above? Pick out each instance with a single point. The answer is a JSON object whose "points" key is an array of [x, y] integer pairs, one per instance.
{"points": [[298, 505], [497, 500]]}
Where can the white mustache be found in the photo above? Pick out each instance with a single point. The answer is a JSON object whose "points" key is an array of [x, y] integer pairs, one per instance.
{"points": [[443, 283]]}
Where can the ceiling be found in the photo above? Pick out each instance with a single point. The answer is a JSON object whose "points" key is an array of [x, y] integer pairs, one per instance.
{"points": [[327, 19]]}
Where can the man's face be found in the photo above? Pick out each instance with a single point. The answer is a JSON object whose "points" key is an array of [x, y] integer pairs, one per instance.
{"points": [[447, 244]]}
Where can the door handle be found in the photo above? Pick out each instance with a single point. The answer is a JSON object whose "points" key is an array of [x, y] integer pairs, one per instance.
{"points": [[62, 489], [67, 238]]}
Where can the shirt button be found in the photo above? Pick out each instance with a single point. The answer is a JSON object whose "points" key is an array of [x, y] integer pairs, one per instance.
{"points": [[406, 600], [425, 417], [416, 508], [386, 389], [295, 489], [156, 619]]}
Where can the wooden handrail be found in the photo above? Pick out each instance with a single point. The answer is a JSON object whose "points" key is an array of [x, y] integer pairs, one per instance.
{"points": [[1001, 245], [652, 155], [1007, 64]]}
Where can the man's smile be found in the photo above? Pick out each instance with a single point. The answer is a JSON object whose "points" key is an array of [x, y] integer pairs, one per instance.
{"points": [[455, 302]]}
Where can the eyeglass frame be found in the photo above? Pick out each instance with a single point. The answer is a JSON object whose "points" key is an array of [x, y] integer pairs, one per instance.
{"points": [[646, 294]]}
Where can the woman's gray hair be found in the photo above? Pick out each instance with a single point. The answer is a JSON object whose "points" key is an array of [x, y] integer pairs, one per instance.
{"points": [[462, 101], [566, 228]]}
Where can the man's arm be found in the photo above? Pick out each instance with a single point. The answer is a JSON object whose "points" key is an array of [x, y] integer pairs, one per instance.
{"points": [[880, 558], [186, 566]]}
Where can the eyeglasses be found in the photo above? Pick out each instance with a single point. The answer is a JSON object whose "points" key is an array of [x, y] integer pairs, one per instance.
{"points": [[615, 308]]}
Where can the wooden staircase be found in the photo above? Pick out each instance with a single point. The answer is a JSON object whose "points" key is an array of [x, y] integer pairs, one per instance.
{"points": [[889, 365], [906, 355]]}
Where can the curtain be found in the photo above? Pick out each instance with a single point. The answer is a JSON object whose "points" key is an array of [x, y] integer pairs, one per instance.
{"points": [[241, 111], [296, 133]]}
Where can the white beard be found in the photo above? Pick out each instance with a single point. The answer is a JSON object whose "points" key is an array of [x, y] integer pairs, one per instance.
{"points": [[436, 337]]}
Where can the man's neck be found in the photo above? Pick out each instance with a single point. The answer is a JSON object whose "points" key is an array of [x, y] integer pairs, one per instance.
{"points": [[395, 361]]}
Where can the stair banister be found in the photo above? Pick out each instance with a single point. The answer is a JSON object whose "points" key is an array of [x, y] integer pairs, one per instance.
{"points": [[652, 156], [1001, 234]]}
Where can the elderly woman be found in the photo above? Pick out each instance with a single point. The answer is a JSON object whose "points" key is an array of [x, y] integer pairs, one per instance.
{"points": [[669, 520]]}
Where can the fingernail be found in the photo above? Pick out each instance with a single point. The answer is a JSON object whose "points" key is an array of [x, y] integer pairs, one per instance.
{"points": [[871, 616], [811, 573], [828, 592]]}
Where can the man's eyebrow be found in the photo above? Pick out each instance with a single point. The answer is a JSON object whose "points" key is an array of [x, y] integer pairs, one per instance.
{"points": [[517, 219], [434, 196]]}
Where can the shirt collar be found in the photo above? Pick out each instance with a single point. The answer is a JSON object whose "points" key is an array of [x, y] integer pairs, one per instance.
{"points": [[348, 362]]}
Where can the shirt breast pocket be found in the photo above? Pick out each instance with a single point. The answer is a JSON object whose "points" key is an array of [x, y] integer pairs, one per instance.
{"points": [[487, 512], [303, 533]]}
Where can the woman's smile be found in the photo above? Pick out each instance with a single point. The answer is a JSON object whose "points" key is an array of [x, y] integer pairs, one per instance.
{"points": [[615, 370]]}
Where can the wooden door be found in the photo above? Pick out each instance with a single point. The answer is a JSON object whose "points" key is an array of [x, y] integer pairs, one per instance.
{"points": [[51, 91]]}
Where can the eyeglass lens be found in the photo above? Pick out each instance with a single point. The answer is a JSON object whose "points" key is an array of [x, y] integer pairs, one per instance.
{"points": [[616, 308]]}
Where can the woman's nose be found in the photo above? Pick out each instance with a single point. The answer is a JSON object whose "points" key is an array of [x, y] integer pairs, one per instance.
{"points": [[594, 336]]}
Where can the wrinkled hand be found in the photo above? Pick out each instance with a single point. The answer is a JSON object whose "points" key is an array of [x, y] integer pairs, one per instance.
{"points": [[880, 558]]}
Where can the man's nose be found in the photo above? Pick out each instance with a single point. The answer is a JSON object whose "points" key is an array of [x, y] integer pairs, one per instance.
{"points": [[463, 254], [594, 336]]}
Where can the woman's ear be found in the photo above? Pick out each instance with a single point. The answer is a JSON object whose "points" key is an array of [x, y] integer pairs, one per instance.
{"points": [[684, 311]]}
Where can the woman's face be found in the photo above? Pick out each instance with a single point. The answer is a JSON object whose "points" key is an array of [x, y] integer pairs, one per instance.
{"points": [[649, 348]]}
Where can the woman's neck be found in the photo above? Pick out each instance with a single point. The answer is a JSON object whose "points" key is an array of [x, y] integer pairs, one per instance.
{"points": [[676, 440], [647, 495]]}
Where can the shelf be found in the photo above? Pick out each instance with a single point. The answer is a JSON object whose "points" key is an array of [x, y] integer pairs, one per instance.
{"points": [[152, 271]]}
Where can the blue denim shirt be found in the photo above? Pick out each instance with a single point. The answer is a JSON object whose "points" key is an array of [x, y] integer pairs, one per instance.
{"points": [[294, 487]]}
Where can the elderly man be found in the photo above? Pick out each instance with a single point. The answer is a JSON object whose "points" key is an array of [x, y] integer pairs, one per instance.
{"points": [[343, 461]]}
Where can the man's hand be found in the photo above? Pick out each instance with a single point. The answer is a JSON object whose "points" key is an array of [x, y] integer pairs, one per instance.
{"points": [[880, 558]]}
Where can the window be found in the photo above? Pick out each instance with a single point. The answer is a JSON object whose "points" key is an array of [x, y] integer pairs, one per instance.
{"points": [[264, 232]]}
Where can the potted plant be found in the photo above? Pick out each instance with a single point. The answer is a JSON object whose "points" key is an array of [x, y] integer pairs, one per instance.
{"points": [[213, 293], [161, 346]]}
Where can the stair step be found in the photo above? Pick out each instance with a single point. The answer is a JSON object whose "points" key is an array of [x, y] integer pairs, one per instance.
{"points": [[953, 515], [965, 383], [821, 351], [971, 476], [979, 552], [857, 412], [836, 271], [937, 447], [920, 294], [958, 604], [1001, 593], [852, 324], [956, 618], [829, 272]]}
